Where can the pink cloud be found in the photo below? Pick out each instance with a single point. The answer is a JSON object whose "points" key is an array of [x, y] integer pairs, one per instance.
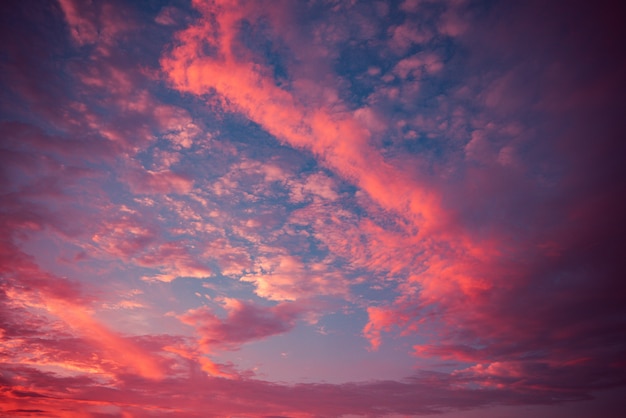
{"points": [[285, 277], [422, 396], [98, 24], [82, 29], [315, 186], [168, 16], [337, 139], [158, 182], [175, 260], [33, 297], [126, 235], [500, 257], [378, 320], [453, 22], [245, 322], [417, 65], [232, 260], [406, 35]]}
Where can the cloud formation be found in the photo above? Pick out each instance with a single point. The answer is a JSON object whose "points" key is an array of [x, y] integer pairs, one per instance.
{"points": [[311, 209]]}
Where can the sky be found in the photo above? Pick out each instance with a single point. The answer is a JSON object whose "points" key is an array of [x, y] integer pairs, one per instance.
{"points": [[312, 209]]}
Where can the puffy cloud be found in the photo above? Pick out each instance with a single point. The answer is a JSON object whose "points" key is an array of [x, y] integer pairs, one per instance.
{"points": [[285, 277]]}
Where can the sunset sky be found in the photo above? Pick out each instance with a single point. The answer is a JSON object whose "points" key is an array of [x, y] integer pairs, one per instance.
{"points": [[312, 209]]}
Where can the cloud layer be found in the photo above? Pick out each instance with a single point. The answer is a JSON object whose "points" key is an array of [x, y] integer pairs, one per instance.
{"points": [[311, 209]]}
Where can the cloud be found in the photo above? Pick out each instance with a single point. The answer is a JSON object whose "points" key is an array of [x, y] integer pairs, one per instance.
{"points": [[423, 395], [151, 182], [31, 297], [245, 322], [95, 23], [175, 260], [408, 34], [378, 320], [457, 267], [82, 28], [284, 277], [448, 174], [168, 16]]}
